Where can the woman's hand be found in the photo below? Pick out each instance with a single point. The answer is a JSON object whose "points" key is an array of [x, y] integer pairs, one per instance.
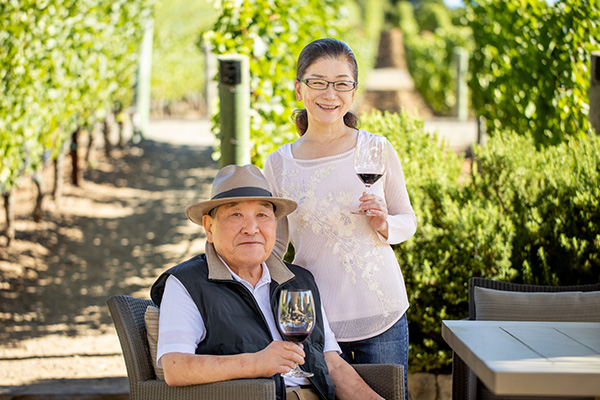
{"points": [[378, 208]]}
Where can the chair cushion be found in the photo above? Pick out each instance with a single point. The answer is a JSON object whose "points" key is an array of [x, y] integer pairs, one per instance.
{"points": [[503, 305], [151, 319]]}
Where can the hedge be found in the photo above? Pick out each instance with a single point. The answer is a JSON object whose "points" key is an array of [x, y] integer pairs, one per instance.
{"points": [[516, 213], [531, 65]]}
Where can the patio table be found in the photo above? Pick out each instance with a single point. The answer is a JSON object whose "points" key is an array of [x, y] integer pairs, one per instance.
{"points": [[530, 358]]}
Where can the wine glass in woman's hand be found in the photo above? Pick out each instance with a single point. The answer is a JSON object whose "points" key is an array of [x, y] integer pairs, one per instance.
{"points": [[370, 160], [296, 321]]}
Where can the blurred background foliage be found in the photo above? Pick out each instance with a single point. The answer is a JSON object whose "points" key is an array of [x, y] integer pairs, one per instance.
{"points": [[178, 63], [431, 34]]}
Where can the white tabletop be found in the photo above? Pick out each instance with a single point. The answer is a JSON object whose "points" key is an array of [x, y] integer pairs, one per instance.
{"points": [[530, 358]]}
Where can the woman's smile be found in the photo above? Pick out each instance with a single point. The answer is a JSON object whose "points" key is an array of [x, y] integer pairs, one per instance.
{"points": [[327, 106]]}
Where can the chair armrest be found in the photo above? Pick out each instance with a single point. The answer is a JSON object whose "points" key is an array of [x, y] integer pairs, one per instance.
{"points": [[386, 379], [260, 389]]}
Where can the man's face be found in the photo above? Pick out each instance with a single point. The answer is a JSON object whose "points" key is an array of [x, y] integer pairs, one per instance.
{"points": [[243, 233]]}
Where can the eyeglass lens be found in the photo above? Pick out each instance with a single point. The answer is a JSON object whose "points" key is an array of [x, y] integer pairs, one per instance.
{"points": [[321, 84]]}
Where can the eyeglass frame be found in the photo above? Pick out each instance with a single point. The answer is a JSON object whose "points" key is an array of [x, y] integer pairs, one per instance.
{"points": [[306, 80]]}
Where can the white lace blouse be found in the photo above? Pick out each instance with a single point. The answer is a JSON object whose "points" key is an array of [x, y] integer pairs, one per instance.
{"points": [[359, 278]]}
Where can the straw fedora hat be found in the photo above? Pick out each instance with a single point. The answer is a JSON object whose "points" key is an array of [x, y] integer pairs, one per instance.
{"points": [[239, 183]]}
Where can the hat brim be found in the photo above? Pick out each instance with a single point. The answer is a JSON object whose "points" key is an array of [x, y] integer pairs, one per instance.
{"points": [[195, 212]]}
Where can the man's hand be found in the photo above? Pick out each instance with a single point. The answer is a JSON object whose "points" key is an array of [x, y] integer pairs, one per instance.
{"points": [[279, 357]]}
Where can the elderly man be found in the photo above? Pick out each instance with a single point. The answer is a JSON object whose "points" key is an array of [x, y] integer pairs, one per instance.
{"points": [[217, 319]]}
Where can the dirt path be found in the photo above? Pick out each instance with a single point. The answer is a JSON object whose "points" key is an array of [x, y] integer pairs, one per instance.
{"points": [[112, 235]]}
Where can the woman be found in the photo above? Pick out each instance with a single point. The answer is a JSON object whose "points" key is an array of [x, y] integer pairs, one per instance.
{"points": [[361, 283]]}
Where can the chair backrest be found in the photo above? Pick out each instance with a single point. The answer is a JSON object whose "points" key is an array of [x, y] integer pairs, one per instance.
{"points": [[128, 316], [465, 384], [583, 307]]}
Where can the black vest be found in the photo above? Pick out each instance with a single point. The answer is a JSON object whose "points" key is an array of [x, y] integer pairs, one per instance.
{"points": [[233, 320]]}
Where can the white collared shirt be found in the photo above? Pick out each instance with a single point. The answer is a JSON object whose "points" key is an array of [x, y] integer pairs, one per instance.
{"points": [[181, 327]]}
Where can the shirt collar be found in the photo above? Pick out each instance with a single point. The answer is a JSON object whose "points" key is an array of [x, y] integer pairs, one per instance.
{"points": [[264, 279], [218, 269]]}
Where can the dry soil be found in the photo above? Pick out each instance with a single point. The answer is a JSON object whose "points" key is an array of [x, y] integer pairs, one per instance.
{"points": [[113, 234]]}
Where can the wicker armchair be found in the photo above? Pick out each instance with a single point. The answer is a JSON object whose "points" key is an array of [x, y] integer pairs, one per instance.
{"points": [[128, 316], [465, 384]]}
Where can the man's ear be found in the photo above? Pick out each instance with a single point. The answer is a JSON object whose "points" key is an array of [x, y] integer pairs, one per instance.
{"points": [[207, 222]]}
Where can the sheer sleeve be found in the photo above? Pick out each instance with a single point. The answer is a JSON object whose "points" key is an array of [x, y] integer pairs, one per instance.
{"points": [[402, 221]]}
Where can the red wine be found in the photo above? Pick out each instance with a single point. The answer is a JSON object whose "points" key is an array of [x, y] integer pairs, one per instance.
{"points": [[297, 337], [369, 179]]}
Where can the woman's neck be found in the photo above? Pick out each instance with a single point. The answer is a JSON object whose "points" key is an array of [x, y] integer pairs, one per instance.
{"points": [[324, 142]]}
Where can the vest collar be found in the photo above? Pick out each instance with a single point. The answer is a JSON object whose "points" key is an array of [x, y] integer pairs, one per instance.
{"points": [[218, 271]]}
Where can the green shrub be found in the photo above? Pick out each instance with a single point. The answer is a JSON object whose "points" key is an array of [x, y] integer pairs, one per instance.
{"points": [[458, 16], [432, 174], [552, 198], [520, 215], [531, 65], [430, 54], [374, 16]]}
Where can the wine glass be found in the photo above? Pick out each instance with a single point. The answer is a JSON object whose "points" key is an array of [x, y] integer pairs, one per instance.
{"points": [[296, 321], [370, 160]]}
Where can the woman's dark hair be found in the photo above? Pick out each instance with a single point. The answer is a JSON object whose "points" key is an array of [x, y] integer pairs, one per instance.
{"points": [[313, 52]]}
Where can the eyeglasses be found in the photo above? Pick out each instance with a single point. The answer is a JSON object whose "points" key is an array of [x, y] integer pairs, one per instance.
{"points": [[322, 84]]}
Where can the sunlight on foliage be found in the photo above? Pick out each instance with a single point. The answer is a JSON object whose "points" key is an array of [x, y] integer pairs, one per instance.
{"points": [[63, 65], [178, 65], [531, 65]]}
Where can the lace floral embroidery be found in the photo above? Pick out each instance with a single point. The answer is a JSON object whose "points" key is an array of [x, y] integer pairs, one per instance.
{"points": [[329, 217]]}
